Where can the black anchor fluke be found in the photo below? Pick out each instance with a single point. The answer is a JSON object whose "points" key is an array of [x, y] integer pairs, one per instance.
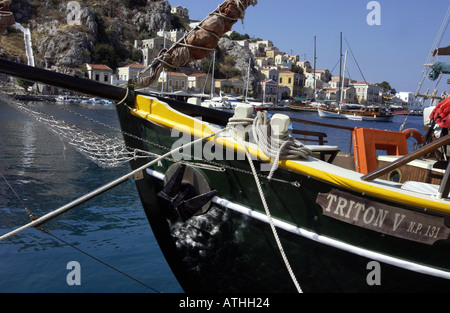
{"points": [[181, 196]]}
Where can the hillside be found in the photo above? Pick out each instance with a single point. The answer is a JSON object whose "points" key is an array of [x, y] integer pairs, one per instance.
{"points": [[106, 33]]}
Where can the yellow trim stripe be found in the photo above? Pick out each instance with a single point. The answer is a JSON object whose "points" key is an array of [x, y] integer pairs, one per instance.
{"points": [[160, 113]]}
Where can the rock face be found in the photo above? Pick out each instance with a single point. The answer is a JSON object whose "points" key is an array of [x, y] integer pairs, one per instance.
{"points": [[58, 45], [156, 17], [241, 56], [67, 48]]}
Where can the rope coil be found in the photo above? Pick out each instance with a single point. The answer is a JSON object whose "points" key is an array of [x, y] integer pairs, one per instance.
{"points": [[261, 121], [281, 147]]}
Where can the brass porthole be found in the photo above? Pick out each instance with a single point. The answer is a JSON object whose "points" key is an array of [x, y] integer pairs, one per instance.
{"points": [[395, 176]]}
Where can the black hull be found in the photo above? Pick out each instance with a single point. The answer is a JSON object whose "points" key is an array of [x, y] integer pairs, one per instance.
{"points": [[224, 251]]}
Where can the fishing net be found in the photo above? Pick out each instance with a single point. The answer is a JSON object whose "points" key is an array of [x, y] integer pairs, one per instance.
{"points": [[200, 41], [101, 149]]}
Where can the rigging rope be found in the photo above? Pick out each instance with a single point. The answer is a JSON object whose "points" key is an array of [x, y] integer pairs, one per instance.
{"points": [[101, 149], [101, 189], [261, 122], [437, 41], [198, 42], [275, 148], [41, 228]]}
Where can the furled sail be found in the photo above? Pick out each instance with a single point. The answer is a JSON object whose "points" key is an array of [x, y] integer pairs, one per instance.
{"points": [[442, 51], [6, 17], [200, 41]]}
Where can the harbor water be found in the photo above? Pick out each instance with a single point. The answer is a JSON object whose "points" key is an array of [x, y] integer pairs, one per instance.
{"points": [[107, 238]]}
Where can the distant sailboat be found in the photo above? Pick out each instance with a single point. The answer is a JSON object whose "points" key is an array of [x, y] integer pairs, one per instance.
{"points": [[353, 111], [216, 102]]}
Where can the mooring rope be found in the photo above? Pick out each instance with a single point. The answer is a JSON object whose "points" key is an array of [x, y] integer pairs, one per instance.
{"points": [[101, 189], [45, 231], [245, 122], [283, 147]]}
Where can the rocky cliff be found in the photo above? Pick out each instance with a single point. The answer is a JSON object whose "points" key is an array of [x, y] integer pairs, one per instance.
{"points": [[58, 45], [105, 33]]}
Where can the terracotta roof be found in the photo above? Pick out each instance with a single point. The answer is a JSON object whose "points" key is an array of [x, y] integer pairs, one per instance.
{"points": [[175, 74], [197, 74], [100, 67], [135, 65]]}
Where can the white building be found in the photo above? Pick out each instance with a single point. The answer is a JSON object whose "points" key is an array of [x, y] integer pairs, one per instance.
{"points": [[100, 73], [130, 71], [283, 61], [408, 100], [151, 47], [180, 11]]}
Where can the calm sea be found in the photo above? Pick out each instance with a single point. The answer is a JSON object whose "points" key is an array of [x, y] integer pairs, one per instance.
{"points": [[112, 228]]}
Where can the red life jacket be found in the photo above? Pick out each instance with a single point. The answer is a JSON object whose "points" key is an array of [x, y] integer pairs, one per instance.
{"points": [[441, 113]]}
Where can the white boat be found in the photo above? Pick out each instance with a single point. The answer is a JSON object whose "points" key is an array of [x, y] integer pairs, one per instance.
{"points": [[96, 101], [62, 99], [217, 103]]}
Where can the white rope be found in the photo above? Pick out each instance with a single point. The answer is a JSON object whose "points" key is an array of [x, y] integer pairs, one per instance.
{"points": [[284, 147], [100, 190], [245, 122]]}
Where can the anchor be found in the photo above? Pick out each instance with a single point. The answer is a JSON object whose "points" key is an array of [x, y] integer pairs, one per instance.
{"points": [[182, 197]]}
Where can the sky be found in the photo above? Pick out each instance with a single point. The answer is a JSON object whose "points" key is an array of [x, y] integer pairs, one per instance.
{"points": [[394, 49]]}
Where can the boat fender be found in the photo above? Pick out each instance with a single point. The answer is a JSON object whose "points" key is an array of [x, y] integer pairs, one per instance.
{"points": [[412, 132], [186, 192]]}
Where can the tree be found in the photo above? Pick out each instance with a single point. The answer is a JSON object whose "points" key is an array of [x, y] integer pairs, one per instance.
{"points": [[227, 68], [206, 66], [24, 83], [131, 4], [136, 55], [297, 69], [105, 54], [386, 87], [236, 36]]}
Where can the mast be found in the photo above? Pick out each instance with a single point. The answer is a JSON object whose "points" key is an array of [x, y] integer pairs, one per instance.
{"points": [[340, 69], [212, 77], [343, 75], [248, 79], [264, 94], [314, 76]]}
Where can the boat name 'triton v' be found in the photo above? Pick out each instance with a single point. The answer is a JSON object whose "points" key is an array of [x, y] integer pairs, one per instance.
{"points": [[383, 218]]}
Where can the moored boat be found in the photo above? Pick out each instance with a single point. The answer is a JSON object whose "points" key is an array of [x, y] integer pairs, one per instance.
{"points": [[356, 113], [331, 223], [215, 217], [272, 214], [303, 107]]}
